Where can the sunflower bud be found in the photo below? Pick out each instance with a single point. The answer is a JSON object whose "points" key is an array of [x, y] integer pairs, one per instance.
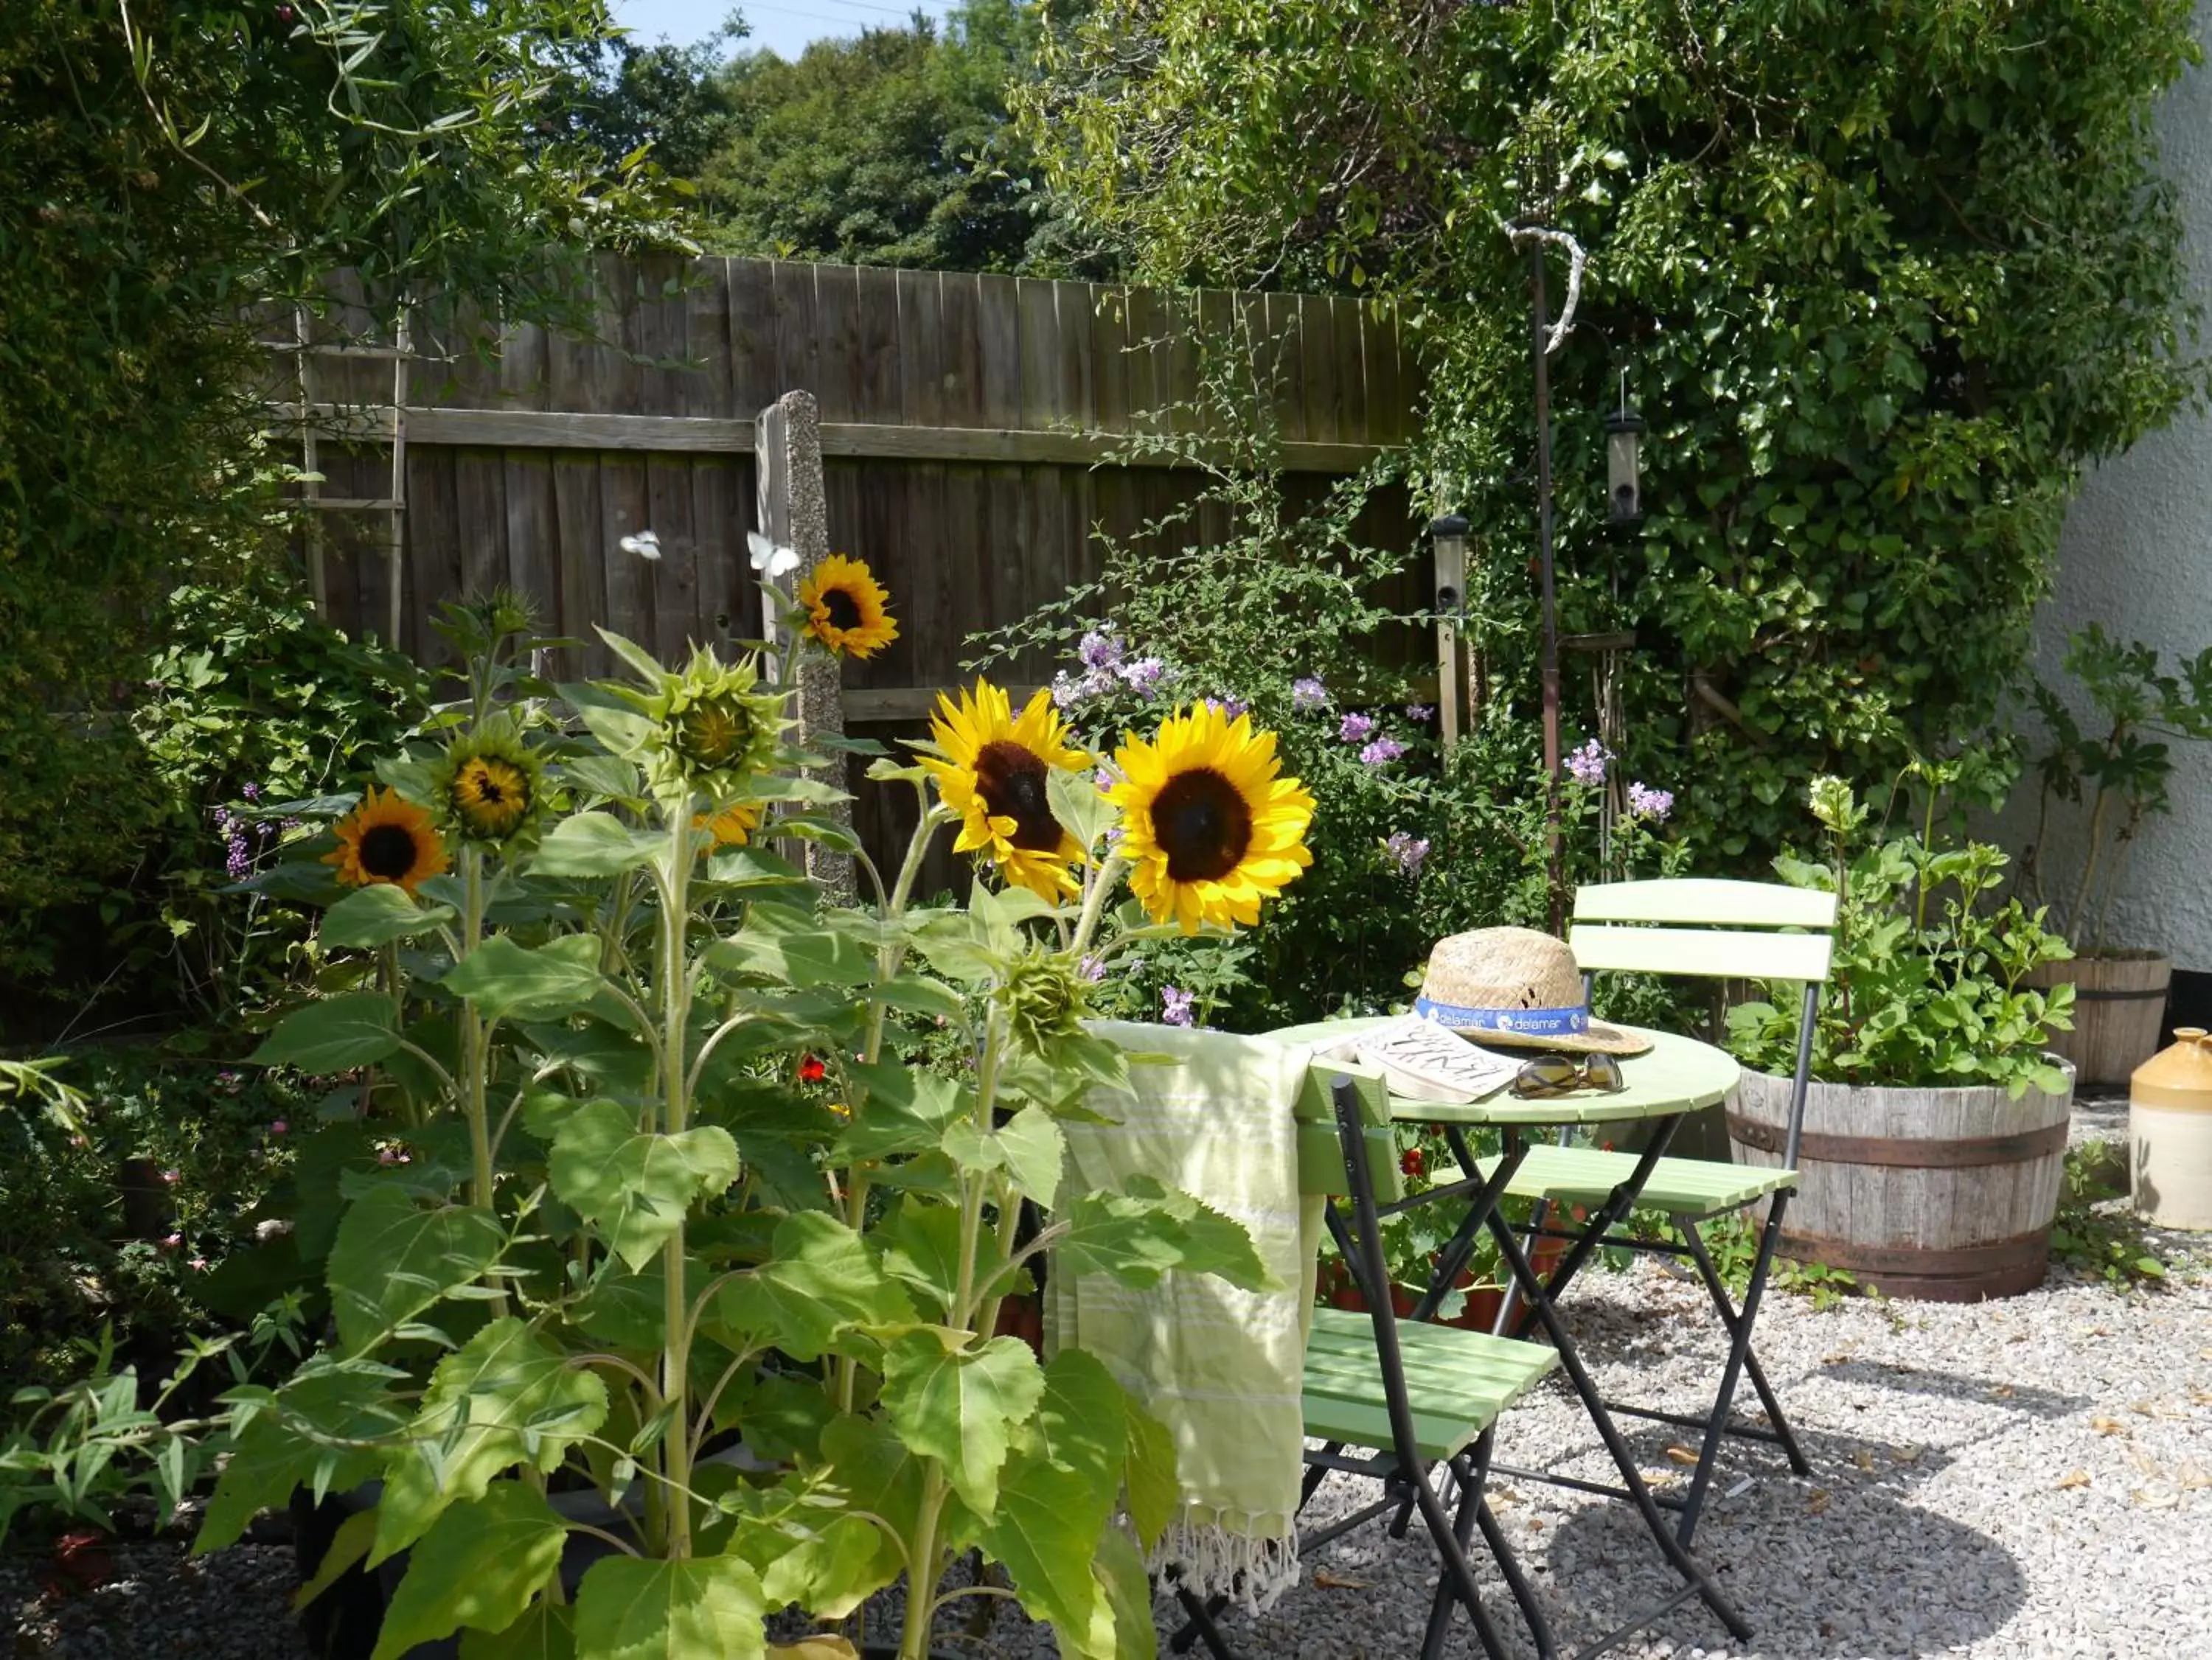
{"points": [[1045, 998], [716, 730], [490, 789]]}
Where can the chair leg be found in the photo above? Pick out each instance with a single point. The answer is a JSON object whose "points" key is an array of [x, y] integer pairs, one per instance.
{"points": [[1440, 1604], [1732, 1320], [1731, 1374], [1199, 1628]]}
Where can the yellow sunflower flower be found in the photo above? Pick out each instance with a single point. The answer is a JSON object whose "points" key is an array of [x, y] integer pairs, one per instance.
{"points": [[844, 606], [1207, 826], [387, 839], [731, 825], [992, 773]]}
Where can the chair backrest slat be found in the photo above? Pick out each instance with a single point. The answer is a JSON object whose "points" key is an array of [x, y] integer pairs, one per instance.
{"points": [[1714, 953], [1705, 900]]}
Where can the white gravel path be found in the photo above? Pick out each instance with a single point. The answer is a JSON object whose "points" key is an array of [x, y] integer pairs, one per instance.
{"points": [[2028, 1479]]}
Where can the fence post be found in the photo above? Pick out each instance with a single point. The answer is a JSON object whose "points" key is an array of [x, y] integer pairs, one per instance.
{"points": [[794, 512]]}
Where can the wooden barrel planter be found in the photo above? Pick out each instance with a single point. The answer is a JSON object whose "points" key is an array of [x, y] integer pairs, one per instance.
{"points": [[1938, 1195], [2119, 1009]]}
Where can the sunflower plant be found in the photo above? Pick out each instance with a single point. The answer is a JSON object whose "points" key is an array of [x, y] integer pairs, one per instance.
{"points": [[674, 1228]]}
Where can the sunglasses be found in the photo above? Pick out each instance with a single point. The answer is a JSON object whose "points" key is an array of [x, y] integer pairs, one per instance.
{"points": [[1561, 1075]]}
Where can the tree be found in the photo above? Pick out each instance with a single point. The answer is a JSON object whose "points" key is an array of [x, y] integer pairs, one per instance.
{"points": [[164, 171], [1883, 276], [891, 148]]}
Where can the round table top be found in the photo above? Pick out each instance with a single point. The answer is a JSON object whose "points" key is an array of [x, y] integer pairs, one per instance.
{"points": [[1675, 1074]]}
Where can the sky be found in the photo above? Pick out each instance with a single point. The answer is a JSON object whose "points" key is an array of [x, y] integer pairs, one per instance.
{"points": [[784, 27]]}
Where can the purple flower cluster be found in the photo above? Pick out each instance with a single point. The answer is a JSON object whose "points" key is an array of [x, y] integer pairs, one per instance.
{"points": [[1586, 764], [1176, 1005], [1093, 967], [1406, 850], [1107, 666], [1308, 694], [1654, 804], [1356, 729], [1382, 752], [1230, 708], [1420, 713]]}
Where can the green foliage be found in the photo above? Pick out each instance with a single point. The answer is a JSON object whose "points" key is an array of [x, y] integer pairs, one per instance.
{"points": [[1291, 601], [1928, 985], [2096, 1236], [892, 147], [123, 1201], [2121, 769], [1882, 277], [163, 172], [574, 1220]]}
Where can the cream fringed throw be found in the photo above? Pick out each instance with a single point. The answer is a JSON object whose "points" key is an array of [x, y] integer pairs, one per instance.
{"points": [[1220, 1367]]}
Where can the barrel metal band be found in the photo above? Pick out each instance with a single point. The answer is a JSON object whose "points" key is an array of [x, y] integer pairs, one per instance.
{"points": [[1962, 1153], [2102, 996], [2022, 1251]]}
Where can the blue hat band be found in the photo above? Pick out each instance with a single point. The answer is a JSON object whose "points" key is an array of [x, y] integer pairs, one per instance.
{"points": [[1521, 1022]]}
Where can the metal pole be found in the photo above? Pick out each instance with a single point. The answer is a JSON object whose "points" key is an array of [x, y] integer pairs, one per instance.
{"points": [[1554, 866]]}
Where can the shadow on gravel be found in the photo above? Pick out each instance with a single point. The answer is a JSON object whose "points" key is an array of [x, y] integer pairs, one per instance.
{"points": [[1950, 1385]]}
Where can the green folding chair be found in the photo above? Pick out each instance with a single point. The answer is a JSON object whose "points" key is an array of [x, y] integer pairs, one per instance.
{"points": [[1715, 929], [1422, 1397]]}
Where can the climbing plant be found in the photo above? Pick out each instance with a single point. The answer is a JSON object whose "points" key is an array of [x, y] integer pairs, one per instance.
{"points": [[1882, 277]]}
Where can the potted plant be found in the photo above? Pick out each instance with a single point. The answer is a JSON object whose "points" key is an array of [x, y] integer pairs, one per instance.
{"points": [[1934, 1129], [664, 1270], [2113, 775]]}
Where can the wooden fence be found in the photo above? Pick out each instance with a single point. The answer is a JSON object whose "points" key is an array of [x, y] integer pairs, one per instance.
{"points": [[975, 431]]}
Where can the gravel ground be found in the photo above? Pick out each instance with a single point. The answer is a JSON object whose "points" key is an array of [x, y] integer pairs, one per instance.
{"points": [[2028, 1479]]}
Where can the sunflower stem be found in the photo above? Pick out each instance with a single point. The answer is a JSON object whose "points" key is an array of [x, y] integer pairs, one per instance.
{"points": [[1094, 903], [889, 957], [676, 1009], [475, 1061]]}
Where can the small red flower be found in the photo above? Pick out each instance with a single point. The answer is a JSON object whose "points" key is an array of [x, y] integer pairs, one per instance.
{"points": [[1414, 1162], [812, 1070]]}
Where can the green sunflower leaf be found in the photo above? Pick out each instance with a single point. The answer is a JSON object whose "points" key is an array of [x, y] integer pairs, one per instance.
{"points": [[502, 978], [1075, 800], [959, 1407], [821, 1279], [634, 1187], [392, 1258], [807, 827], [377, 914], [479, 1565], [630, 1608], [544, 1633], [507, 1396], [1139, 1233], [595, 845], [357, 1028]]}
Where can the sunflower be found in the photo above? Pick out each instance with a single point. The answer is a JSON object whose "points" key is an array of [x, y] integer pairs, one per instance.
{"points": [[731, 825], [714, 730], [1207, 827], [844, 605], [490, 786], [387, 839], [992, 772]]}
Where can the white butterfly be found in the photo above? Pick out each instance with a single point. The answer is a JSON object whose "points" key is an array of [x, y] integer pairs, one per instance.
{"points": [[771, 559], [645, 544]]}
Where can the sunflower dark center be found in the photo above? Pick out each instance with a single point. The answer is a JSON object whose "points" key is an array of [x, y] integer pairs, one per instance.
{"points": [[1202, 824], [488, 787], [387, 852], [844, 611], [1011, 780]]}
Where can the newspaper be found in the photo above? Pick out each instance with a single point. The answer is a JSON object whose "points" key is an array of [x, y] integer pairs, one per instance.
{"points": [[1426, 1062]]}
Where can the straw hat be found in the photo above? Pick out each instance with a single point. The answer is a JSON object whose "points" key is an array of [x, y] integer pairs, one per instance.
{"points": [[1514, 988]]}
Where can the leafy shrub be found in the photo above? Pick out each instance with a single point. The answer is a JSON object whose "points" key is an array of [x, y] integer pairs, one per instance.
{"points": [[1881, 278], [1928, 984], [115, 1213], [135, 831]]}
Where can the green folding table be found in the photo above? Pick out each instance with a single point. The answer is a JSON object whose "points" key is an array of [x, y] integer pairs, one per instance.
{"points": [[1677, 1076]]}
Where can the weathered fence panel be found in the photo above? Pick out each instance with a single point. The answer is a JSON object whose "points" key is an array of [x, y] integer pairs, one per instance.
{"points": [[973, 428]]}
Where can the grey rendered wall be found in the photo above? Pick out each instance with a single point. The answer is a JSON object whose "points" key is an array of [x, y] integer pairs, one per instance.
{"points": [[2137, 555]]}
